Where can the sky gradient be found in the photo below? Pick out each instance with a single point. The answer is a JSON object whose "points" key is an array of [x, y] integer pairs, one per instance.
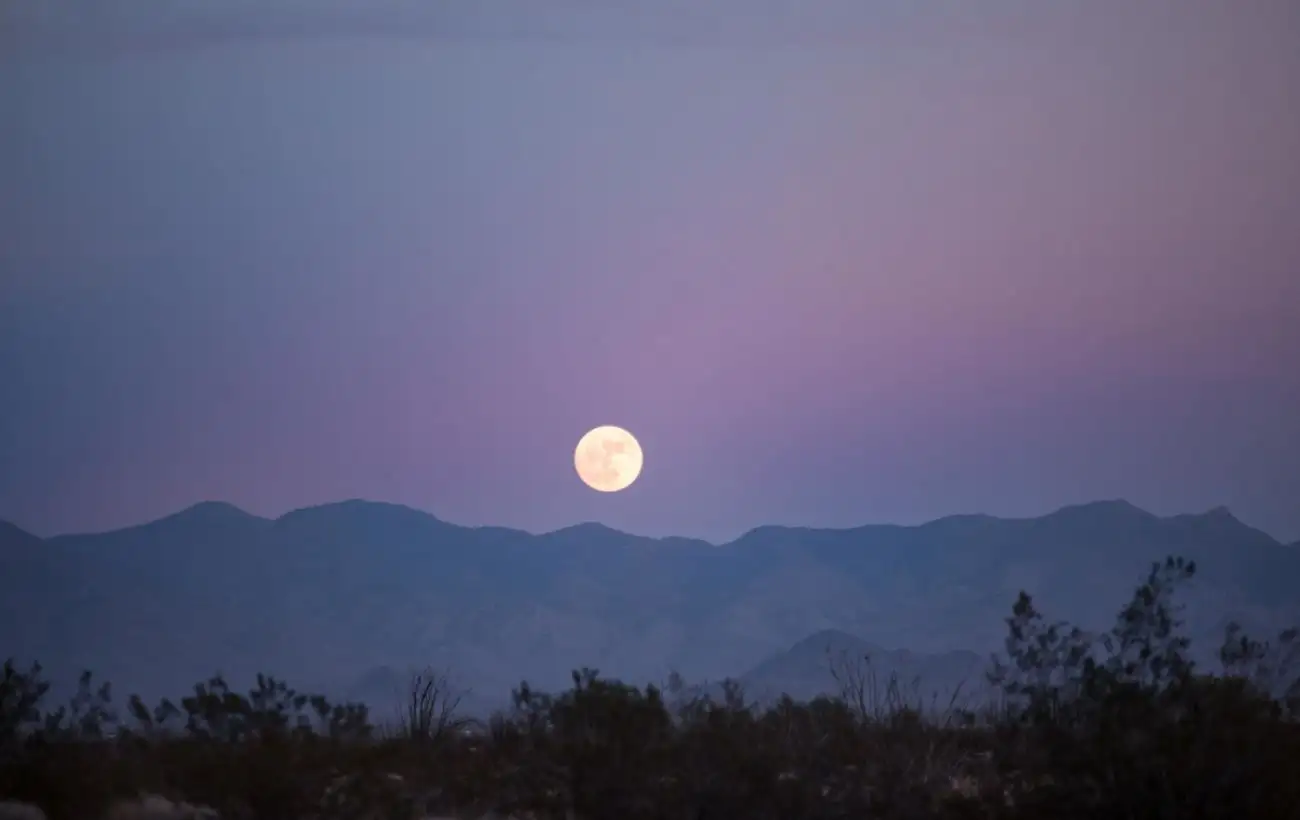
{"points": [[878, 268]]}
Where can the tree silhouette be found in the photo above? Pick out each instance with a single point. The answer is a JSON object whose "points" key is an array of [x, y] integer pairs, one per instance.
{"points": [[1120, 724]]}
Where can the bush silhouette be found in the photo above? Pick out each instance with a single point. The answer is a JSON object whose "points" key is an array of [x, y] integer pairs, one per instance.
{"points": [[1116, 724]]}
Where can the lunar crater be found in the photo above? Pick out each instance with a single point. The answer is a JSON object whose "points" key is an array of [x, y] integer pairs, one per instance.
{"points": [[608, 459]]}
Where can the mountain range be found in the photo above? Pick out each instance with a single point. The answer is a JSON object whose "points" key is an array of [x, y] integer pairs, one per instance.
{"points": [[336, 597]]}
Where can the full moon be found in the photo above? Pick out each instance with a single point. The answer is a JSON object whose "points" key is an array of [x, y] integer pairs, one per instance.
{"points": [[607, 459]]}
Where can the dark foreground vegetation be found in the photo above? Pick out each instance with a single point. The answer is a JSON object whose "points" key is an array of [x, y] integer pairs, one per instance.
{"points": [[1119, 725]]}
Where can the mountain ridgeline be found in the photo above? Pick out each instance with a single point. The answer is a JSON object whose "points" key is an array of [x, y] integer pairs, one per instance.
{"points": [[339, 596]]}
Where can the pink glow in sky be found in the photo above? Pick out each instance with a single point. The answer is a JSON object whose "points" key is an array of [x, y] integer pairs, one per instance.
{"points": [[1033, 255]]}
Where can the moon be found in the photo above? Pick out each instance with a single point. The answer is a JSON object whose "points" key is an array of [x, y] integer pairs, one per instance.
{"points": [[608, 459]]}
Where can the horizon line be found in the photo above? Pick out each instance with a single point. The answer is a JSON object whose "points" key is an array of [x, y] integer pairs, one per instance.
{"points": [[1114, 502]]}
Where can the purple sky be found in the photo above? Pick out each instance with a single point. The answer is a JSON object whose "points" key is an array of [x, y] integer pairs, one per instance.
{"points": [[996, 263]]}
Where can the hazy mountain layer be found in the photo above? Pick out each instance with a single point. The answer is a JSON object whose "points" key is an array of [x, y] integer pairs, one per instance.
{"points": [[326, 596]]}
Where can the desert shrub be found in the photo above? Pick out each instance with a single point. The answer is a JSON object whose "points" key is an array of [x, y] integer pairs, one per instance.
{"points": [[21, 697], [1123, 723], [1116, 724]]}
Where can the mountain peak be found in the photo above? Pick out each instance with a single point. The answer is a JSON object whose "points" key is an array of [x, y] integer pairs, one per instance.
{"points": [[1113, 506], [1113, 514], [826, 639], [357, 521], [208, 514], [1219, 516], [215, 508], [11, 533], [590, 529], [358, 507]]}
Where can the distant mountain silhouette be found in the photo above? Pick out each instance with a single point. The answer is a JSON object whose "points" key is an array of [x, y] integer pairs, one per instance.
{"points": [[325, 593], [823, 663], [14, 538]]}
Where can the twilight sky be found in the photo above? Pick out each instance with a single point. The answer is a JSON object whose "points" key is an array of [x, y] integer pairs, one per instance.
{"points": [[878, 263]]}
